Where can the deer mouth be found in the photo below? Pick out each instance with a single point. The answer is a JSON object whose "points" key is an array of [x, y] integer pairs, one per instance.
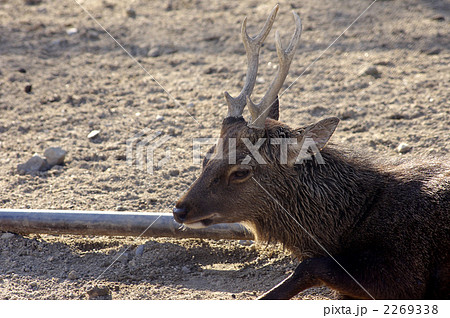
{"points": [[200, 223]]}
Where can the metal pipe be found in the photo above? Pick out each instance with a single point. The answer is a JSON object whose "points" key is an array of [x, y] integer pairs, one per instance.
{"points": [[109, 223]]}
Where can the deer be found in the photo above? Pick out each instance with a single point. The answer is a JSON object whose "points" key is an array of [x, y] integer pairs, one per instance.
{"points": [[365, 228]]}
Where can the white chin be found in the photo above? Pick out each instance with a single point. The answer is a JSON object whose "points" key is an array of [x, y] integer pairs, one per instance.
{"points": [[195, 225]]}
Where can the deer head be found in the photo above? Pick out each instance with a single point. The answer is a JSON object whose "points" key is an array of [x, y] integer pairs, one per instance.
{"points": [[254, 153]]}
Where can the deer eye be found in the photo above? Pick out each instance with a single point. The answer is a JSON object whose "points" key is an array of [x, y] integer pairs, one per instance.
{"points": [[239, 175]]}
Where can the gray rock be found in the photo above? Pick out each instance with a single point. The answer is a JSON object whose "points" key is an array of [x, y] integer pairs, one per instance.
{"points": [[34, 164], [372, 71], [7, 236], [185, 270], [55, 155], [139, 250], [72, 275], [174, 172]]}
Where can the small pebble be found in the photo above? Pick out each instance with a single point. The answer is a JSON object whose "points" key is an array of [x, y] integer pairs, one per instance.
{"points": [[154, 52], [403, 148], [99, 292], [33, 2], [59, 42], [174, 131], [131, 13], [185, 270], [174, 172], [72, 31], [246, 242], [210, 70], [159, 118], [72, 275], [55, 155], [169, 6], [54, 98], [372, 71], [438, 17], [28, 88], [92, 35], [93, 134], [433, 51], [139, 250], [384, 63]]}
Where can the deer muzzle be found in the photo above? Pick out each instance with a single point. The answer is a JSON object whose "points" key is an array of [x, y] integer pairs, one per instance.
{"points": [[182, 215]]}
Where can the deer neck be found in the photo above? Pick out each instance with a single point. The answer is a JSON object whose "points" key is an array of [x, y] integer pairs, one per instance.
{"points": [[315, 206]]}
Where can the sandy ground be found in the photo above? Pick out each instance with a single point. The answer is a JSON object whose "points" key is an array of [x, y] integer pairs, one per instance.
{"points": [[82, 80]]}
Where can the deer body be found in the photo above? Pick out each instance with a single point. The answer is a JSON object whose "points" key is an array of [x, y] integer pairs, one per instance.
{"points": [[362, 229], [390, 231]]}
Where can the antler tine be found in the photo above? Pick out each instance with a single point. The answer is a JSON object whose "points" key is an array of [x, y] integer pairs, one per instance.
{"points": [[252, 46], [260, 111]]}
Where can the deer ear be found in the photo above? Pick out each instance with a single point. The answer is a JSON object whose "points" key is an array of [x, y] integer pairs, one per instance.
{"points": [[274, 111], [311, 140], [321, 131]]}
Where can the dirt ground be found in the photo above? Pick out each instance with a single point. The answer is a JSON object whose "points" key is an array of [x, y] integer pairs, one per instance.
{"points": [[387, 78]]}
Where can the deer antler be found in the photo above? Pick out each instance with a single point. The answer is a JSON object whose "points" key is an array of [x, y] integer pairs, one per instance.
{"points": [[252, 46], [260, 111]]}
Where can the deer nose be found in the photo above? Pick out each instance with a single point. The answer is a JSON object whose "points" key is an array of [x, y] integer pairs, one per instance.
{"points": [[180, 214]]}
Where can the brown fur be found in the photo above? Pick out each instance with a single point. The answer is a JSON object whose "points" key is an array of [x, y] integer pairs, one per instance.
{"points": [[387, 225]]}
